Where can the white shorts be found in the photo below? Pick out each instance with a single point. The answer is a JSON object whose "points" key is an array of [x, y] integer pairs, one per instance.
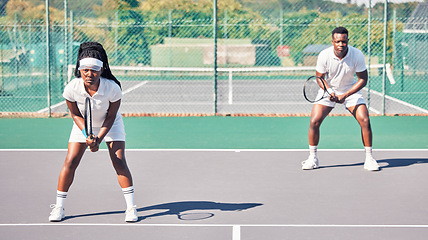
{"points": [[116, 133], [353, 100]]}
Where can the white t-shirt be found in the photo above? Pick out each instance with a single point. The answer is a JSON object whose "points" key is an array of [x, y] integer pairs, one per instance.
{"points": [[340, 72], [108, 91]]}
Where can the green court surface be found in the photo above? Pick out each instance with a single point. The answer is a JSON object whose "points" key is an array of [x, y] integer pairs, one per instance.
{"points": [[390, 132]]}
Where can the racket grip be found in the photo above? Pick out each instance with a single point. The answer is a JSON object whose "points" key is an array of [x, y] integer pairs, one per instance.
{"points": [[84, 133]]}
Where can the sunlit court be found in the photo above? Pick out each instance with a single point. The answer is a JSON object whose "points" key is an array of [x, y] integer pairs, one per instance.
{"points": [[214, 119]]}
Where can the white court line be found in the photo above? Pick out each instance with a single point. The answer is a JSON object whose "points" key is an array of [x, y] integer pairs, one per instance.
{"points": [[236, 227], [374, 110], [53, 106], [399, 101], [134, 87], [124, 92], [236, 232], [371, 108], [222, 150]]}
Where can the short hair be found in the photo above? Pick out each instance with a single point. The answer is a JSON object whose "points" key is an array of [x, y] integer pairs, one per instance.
{"points": [[94, 50], [340, 30]]}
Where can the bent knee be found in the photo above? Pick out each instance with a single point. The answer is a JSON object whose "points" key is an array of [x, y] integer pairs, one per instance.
{"points": [[119, 164], [315, 123], [71, 163], [365, 123]]}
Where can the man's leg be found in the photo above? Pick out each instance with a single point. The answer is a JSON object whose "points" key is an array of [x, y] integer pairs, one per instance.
{"points": [[361, 114], [319, 113]]}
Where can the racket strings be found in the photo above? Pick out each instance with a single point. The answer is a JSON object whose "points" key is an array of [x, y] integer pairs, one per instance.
{"points": [[312, 90]]}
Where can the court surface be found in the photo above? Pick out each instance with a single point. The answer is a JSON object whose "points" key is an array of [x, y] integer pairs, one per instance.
{"points": [[220, 194]]}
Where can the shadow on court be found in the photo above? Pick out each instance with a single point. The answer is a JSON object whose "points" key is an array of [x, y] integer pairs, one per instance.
{"points": [[403, 162], [386, 163], [181, 209]]}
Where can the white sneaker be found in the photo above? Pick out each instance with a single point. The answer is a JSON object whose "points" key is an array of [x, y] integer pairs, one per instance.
{"points": [[370, 164], [310, 163], [57, 213], [131, 214]]}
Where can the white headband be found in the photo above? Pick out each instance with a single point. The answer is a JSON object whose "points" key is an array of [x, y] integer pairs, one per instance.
{"points": [[90, 63]]}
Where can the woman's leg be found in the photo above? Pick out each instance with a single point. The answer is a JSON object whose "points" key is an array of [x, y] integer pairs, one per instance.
{"points": [[72, 161], [66, 176], [117, 155]]}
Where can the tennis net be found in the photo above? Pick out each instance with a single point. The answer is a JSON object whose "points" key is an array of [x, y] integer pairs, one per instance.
{"points": [[242, 91], [258, 91]]}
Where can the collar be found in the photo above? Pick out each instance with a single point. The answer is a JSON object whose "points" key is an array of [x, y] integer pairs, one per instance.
{"points": [[345, 57], [101, 87]]}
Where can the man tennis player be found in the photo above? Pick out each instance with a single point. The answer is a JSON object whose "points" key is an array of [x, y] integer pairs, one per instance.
{"points": [[337, 65], [94, 80]]}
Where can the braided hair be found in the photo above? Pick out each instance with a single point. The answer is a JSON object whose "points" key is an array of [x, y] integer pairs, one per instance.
{"points": [[95, 50]]}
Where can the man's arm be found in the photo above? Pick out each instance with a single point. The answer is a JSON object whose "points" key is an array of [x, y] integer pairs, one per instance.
{"points": [[361, 82]]}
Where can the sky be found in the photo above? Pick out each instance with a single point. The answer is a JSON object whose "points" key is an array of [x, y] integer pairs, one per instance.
{"points": [[366, 2]]}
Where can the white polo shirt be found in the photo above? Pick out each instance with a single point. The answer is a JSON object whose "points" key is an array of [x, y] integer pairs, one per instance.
{"points": [[108, 91], [340, 72]]}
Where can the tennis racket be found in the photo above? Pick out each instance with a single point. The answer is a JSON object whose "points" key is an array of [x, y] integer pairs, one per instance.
{"points": [[88, 118], [315, 89]]}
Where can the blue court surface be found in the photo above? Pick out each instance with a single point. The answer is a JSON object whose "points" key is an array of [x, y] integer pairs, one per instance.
{"points": [[220, 195]]}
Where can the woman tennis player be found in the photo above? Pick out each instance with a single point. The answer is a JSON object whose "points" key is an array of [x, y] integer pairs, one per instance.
{"points": [[95, 80]]}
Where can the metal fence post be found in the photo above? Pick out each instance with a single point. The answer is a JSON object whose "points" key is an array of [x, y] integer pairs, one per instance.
{"points": [[65, 40], [369, 51], [48, 72], [215, 54], [385, 29]]}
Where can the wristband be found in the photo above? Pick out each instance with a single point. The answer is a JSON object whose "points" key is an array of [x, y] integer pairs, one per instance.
{"points": [[84, 133], [330, 91]]}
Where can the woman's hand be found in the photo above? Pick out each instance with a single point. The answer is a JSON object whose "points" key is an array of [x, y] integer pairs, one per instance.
{"points": [[93, 143]]}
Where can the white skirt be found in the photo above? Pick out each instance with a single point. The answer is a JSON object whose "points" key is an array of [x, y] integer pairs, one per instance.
{"points": [[116, 133]]}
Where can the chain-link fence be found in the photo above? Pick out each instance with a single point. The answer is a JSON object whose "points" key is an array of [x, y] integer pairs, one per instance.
{"points": [[163, 52]]}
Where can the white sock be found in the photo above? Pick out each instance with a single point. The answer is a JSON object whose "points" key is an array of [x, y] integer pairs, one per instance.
{"points": [[128, 193], [368, 152], [60, 198], [313, 150]]}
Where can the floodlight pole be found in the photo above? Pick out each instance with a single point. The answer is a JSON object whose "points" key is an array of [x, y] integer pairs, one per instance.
{"points": [[215, 54]]}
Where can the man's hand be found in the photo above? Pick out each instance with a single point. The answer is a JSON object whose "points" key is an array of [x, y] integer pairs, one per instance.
{"points": [[341, 98], [333, 97]]}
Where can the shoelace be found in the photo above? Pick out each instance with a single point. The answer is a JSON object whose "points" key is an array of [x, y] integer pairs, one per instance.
{"points": [[131, 209], [304, 162], [55, 209]]}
